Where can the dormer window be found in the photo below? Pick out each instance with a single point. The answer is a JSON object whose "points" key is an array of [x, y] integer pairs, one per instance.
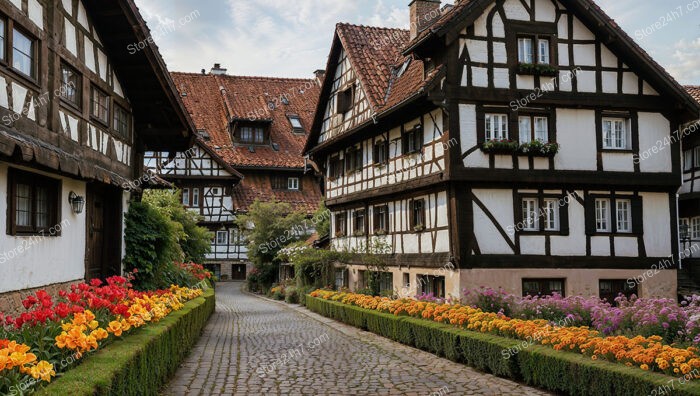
{"points": [[204, 134], [296, 124], [534, 50], [251, 135], [345, 100]]}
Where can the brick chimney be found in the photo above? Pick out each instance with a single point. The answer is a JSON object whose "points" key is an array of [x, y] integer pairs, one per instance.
{"points": [[217, 69], [423, 14], [320, 74]]}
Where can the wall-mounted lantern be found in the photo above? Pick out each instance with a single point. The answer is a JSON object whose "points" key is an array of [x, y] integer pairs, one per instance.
{"points": [[76, 202]]}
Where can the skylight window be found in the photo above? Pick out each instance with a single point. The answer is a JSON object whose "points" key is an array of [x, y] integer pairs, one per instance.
{"points": [[296, 123], [403, 68]]}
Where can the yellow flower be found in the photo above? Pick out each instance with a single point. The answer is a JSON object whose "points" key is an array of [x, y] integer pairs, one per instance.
{"points": [[43, 370], [644, 367]]}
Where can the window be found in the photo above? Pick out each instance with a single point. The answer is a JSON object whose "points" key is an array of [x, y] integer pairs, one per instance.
{"points": [[624, 215], [533, 128], [551, 214], [222, 238], [2, 39], [345, 100], [543, 287], [602, 215], [615, 214], [610, 289], [353, 159], [381, 152], [413, 140], [252, 135], [529, 54], [615, 134], [381, 219], [434, 285], [530, 218], [696, 157], [293, 183], [23, 53], [70, 85], [525, 50], [358, 222], [214, 269], [186, 196], [33, 202], [278, 182], [695, 228], [688, 160], [296, 124], [386, 282], [341, 279], [496, 126], [195, 197], [340, 225], [121, 122], [543, 51], [100, 105], [418, 214], [406, 280], [336, 167]]}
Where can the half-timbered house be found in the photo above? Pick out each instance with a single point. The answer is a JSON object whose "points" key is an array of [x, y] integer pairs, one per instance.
{"points": [[251, 133], [689, 206], [77, 111], [496, 143]]}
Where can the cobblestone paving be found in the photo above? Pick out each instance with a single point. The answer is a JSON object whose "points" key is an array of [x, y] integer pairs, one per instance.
{"points": [[254, 346]]}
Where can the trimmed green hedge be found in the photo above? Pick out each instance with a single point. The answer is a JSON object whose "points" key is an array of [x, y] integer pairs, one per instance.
{"points": [[536, 365], [142, 362]]}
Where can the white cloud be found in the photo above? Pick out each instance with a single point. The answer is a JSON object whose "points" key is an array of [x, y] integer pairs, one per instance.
{"points": [[686, 65]]}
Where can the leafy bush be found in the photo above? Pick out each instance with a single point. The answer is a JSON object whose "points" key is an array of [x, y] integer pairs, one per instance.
{"points": [[291, 295], [490, 300]]}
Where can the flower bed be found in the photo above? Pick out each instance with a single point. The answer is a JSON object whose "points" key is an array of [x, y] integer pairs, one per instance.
{"points": [[646, 353], [54, 335], [563, 373]]}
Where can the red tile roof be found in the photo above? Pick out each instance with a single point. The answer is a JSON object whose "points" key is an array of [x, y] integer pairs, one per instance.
{"points": [[212, 100], [694, 91], [258, 186]]}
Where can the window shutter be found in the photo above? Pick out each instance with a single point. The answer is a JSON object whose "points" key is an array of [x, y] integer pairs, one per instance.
{"points": [[637, 216], [564, 218], [411, 214], [386, 218], [375, 153], [404, 143], [590, 215]]}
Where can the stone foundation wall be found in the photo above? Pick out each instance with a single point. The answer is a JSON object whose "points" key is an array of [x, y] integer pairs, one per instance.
{"points": [[11, 303]]}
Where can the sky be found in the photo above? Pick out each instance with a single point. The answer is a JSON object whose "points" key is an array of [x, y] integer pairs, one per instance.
{"points": [[292, 38]]}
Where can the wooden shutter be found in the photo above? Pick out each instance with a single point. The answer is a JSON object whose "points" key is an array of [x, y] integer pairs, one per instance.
{"points": [[590, 215], [375, 153], [564, 217], [637, 216]]}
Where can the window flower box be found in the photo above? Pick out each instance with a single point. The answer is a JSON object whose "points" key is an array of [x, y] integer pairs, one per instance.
{"points": [[537, 148], [505, 147], [419, 228], [339, 234], [380, 232], [537, 69], [358, 234]]}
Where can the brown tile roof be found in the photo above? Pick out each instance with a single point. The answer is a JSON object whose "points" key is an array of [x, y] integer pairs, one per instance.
{"points": [[212, 100], [694, 91], [258, 186], [449, 13]]}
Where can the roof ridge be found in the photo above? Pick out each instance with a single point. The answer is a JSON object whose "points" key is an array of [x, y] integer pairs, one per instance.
{"points": [[371, 27], [265, 78]]}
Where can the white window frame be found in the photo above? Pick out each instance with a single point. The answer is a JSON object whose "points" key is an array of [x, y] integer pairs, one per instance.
{"points": [[296, 122], [293, 183], [543, 52], [695, 228], [530, 214], [616, 134], [623, 215], [602, 215], [186, 196], [688, 163], [551, 214], [496, 126], [219, 238], [525, 50], [195, 197]]}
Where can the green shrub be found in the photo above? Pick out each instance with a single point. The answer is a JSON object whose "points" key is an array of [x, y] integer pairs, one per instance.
{"points": [[291, 295], [141, 363], [540, 366]]}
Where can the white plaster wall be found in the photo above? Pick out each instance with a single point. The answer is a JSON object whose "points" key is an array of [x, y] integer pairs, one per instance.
{"points": [[533, 245], [51, 260], [514, 10], [545, 11], [626, 247], [654, 127], [657, 224], [573, 244], [500, 204], [618, 162], [576, 134], [467, 134]]}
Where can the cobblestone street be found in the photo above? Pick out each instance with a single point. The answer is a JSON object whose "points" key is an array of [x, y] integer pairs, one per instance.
{"points": [[253, 346]]}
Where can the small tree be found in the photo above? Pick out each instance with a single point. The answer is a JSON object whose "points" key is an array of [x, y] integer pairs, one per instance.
{"points": [[322, 220], [268, 227], [313, 268]]}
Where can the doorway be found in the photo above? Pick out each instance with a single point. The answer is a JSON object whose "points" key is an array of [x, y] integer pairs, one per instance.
{"points": [[103, 231]]}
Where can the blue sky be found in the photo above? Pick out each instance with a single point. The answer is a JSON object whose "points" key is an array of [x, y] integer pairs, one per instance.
{"points": [[292, 38]]}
